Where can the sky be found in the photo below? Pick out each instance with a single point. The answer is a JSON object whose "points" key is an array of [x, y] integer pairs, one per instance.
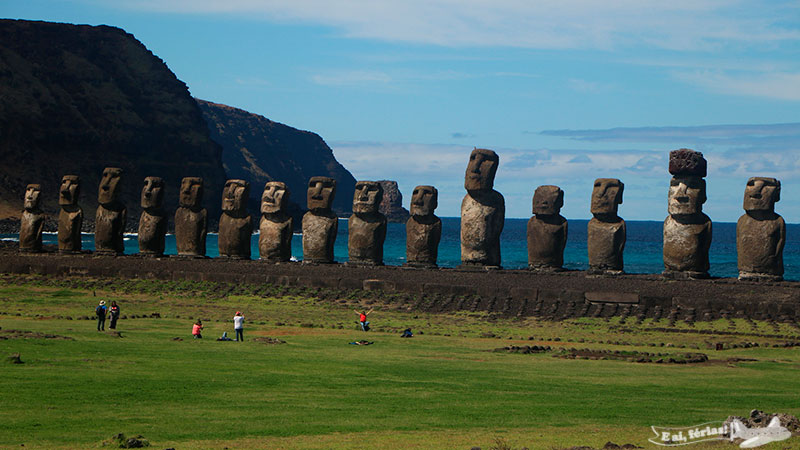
{"points": [[565, 91]]}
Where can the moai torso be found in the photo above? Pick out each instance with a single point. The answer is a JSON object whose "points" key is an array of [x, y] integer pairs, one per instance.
{"points": [[32, 221], [191, 219], [109, 223], [320, 224], [760, 232], [482, 212], [70, 217], [235, 225], [547, 230], [423, 228], [366, 227], [153, 221], [606, 232], [276, 226]]}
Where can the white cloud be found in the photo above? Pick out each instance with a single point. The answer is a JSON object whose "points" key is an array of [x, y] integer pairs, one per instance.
{"points": [[780, 85], [549, 24]]}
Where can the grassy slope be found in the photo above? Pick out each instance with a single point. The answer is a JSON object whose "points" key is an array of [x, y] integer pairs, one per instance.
{"points": [[316, 391]]}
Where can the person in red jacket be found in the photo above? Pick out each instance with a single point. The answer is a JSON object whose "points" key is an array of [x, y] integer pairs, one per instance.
{"points": [[197, 329], [362, 318]]}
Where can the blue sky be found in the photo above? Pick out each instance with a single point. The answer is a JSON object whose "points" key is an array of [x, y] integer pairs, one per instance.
{"points": [[564, 90]]}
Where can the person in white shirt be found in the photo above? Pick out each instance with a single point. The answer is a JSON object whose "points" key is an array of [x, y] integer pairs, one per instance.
{"points": [[238, 326]]}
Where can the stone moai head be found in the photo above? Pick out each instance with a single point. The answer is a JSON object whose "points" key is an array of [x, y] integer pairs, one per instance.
{"points": [[321, 191], [687, 189], [424, 200], [234, 195], [607, 196], [69, 191], [152, 193], [548, 200], [191, 194], [32, 195], [481, 169], [367, 197], [761, 193], [275, 197], [109, 189]]}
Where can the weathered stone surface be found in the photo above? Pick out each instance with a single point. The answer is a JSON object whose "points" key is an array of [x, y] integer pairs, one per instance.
{"points": [[367, 226], [32, 221], [423, 228], [611, 297], [235, 224], [483, 212], [191, 219], [275, 228], [320, 224], [70, 217], [547, 230], [606, 231], [760, 232], [392, 203], [686, 162], [153, 220], [109, 222], [687, 231]]}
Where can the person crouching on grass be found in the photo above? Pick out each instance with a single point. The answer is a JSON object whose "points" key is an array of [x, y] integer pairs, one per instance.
{"points": [[197, 329], [362, 318], [238, 326]]}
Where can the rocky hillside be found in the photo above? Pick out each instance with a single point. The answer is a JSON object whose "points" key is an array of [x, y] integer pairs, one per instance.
{"points": [[260, 150], [78, 98], [392, 204]]}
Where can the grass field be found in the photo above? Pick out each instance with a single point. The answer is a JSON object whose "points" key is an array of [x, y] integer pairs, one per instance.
{"points": [[443, 389]]}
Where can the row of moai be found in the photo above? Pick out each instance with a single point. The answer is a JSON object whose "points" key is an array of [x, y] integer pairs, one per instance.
{"points": [[687, 231]]}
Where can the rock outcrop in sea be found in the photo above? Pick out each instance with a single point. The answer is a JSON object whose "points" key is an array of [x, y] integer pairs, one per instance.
{"points": [[392, 204]]}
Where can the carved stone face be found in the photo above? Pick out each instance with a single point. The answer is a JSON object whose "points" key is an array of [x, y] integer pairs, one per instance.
{"points": [[32, 194], [686, 195], [424, 200], [109, 185], [234, 195], [481, 169], [275, 197], [367, 197], [548, 200], [321, 191], [606, 195], [191, 194], [761, 194], [152, 193], [69, 191]]}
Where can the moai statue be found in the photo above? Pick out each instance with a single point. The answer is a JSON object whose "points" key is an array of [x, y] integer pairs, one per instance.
{"points": [[423, 228], [366, 227], [109, 222], [547, 230], [191, 219], [153, 221], [235, 225], [687, 231], [760, 232], [32, 223], [275, 229], [70, 218], [320, 224], [483, 212], [606, 231]]}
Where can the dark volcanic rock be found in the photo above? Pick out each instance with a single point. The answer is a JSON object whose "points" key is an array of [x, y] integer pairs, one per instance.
{"points": [[392, 204], [79, 98]]}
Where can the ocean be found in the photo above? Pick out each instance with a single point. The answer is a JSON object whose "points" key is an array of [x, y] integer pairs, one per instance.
{"points": [[642, 250]]}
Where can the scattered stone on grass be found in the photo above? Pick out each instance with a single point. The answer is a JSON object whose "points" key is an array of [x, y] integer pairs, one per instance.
{"points": [[177, 338], [268, 340], [123, 441], [759, 419], [524, 349], [14, 358], [632, 356]]}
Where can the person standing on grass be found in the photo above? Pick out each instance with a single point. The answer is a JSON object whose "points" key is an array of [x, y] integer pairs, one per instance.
{"points": [[100, 311], [197, 329], [362, 317], [114, 315], [238, 326]]}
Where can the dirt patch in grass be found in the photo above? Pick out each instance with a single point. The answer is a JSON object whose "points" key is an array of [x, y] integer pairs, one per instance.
{"points": [[268, 340], [22, 334]]}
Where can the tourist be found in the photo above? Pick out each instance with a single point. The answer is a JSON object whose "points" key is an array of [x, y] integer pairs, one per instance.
{"points": [[362, 317], [197, 329], [100, 311], [114, 315], [238, 326]]}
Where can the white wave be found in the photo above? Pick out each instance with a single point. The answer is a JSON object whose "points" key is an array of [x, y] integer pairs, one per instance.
{"points": [[10, 239], [294, 259]]}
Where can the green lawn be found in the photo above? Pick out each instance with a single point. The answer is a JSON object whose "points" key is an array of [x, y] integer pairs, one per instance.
{"points": [[442, 389]]}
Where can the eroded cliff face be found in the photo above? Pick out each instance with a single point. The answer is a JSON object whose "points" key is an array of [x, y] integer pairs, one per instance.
{"points": [[78, 98], [392, 204], [260, 150]]}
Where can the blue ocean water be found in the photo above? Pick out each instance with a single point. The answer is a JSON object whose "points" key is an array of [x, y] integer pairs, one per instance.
{"points": [[642, 250]]}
